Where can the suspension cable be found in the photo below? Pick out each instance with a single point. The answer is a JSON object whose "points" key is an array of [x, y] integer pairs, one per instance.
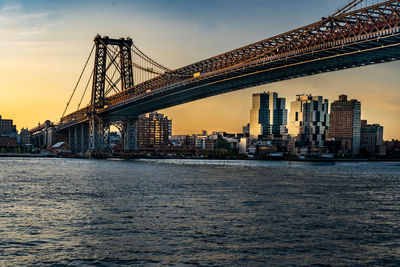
{"points": [[84, 93], [138, 66], [150, 60], [80, 77]]}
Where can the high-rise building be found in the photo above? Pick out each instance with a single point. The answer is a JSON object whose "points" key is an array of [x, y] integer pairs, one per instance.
{"points": [[345, 124], [153, 129], [309, 120], [268, 115], [280, 117], [246, 130], [372, 139], [7, 128]]}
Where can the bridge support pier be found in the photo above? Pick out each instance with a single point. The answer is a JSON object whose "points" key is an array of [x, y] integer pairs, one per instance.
{"points": [[99, 142], [73, 139], [84, 137], [70, 137], [130, 136], [76, 139], [128, 130]]}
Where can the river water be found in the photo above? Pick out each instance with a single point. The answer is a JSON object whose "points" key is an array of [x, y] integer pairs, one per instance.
{"points": [[74, 212]]}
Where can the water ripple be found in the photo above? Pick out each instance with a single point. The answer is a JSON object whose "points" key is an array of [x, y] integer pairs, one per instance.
{"points": [[69, 212]]}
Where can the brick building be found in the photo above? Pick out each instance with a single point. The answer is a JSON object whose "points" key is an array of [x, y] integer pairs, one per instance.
{"points": [[152, 130], [345, 124]]}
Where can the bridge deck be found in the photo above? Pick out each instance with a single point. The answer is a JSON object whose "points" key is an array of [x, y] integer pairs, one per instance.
{"points": [[362, 37]]}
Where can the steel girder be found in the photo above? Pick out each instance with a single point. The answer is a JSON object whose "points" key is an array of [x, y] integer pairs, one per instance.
{"points": [[260, 74], [352, 27], [361, 37]]}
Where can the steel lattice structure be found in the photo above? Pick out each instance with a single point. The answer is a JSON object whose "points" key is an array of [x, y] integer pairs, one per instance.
{"points": [[347, 39], [353, 30], [344, 29]]}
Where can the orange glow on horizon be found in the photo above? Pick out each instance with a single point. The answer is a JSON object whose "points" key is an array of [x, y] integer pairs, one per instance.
{"points": [[42, 55]]}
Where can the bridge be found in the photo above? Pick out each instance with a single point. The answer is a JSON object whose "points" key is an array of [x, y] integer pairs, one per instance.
{"points": [[127, 83]]}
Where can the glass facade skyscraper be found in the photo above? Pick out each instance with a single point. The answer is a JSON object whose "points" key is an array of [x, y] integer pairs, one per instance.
{"points": [[268, 115], [309, 120]]}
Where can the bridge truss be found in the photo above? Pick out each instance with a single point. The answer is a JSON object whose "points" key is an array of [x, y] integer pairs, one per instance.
{"points": [[342, 29], [125, 86]]}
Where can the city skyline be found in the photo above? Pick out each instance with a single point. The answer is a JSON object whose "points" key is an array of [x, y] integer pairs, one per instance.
{"points": [[53, 46], [211, 133]]}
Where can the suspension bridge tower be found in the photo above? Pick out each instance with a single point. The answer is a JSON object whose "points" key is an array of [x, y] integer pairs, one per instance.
{"points": [[99, 126], [119, 66]]}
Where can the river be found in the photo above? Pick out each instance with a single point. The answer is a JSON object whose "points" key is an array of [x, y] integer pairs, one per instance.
{"points": [[77, 212]]}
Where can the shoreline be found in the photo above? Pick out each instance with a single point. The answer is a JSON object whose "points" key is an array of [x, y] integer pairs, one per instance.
{"points": [[12, 155]]}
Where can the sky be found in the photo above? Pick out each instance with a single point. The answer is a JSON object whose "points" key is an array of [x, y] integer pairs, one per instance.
{"points": [[44, 45]]}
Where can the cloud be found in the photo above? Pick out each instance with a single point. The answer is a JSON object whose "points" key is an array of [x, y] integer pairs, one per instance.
{"points": [[30, 32], [30, 16], [11, 8], [17, 23]]}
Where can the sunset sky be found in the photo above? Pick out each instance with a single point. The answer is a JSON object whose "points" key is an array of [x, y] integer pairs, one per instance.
{"points": [[44, 45]]}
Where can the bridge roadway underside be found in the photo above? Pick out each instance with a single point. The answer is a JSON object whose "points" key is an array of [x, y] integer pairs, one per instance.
{"points": [[343, 57]]}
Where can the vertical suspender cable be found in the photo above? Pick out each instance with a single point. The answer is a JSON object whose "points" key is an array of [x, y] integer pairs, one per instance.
{"points": [[80, 77]]}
